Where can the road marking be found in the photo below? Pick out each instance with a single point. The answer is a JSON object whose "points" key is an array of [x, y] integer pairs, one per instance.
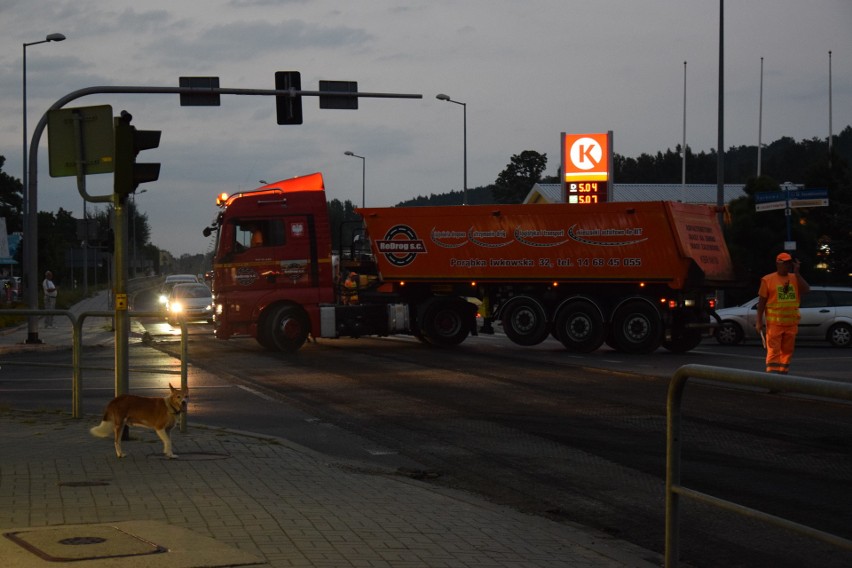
{"points": [[257, 393], [732, 355], [381, 452]]}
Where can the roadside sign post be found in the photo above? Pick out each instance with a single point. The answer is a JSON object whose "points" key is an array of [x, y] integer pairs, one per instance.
{"points": [[788, 199]]}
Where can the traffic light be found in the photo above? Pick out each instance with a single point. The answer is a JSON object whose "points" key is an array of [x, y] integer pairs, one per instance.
{"points": [[128, 143], [288, 108]]}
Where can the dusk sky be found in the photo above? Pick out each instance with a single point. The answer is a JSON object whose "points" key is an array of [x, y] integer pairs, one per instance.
{"points": [[526, 70]]}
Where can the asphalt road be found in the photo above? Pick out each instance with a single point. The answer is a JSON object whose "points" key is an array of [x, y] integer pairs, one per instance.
{"points": [[575, 438], [581, 438]]}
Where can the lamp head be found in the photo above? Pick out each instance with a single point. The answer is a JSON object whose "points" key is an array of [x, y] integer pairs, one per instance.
{"points": [[442, 97], [55, 37], [348, 153]]}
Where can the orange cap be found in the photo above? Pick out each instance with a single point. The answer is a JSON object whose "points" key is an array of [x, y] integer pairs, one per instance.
{"points": [[783, 257]]}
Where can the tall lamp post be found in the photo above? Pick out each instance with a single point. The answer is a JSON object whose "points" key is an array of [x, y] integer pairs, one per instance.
{"points": [[443, 97], [363, 176], [32, 334]]}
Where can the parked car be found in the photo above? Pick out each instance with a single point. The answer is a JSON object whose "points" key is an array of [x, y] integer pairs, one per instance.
{"points": [[170, 282], [826, 314], [191, 302]]}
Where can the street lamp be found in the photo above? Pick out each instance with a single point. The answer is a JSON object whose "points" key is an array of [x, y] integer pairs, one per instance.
{"points": [[363, 176], [49, 38], [32, 333], [443, 97]]}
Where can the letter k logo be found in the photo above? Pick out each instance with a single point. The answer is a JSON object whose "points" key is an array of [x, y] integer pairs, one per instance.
{"points": [[586, 153]]}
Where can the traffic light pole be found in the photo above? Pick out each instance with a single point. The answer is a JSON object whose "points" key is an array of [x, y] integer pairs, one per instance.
{"points": [[122, 318], [122, 323]]}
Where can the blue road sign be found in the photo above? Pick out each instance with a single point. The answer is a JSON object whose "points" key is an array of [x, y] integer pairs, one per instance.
{"points": [[770, 196]]}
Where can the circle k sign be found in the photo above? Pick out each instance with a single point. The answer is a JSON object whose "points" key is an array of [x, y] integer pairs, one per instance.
{"points": [[585, 157]]}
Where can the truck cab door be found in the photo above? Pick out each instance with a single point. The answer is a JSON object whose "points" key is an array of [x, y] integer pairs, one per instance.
{"points": [[298, 259]]}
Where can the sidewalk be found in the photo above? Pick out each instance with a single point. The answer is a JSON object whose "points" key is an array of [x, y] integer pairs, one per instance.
{"points": [[96, 330], [236, 498]]}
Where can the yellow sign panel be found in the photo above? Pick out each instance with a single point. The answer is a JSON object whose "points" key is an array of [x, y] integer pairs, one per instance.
{"points": [[121, 301], [70, 128]]}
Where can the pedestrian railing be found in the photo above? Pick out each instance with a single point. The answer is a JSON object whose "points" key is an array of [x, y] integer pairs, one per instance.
{"points": [[77, 321], [674, 489]]}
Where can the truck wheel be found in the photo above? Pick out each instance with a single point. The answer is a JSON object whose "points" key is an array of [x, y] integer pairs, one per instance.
{"points": [[580, 327], [683, 343], [445, 322], [525, 321], [285, 329], [636, 327]]}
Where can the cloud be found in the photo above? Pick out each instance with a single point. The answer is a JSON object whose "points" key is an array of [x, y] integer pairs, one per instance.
{"points": [[241, 40]]}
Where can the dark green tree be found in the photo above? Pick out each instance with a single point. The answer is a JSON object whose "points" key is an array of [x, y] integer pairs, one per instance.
{"points": [[11, 200], [523, 171], [55, 232], [833, 224]]}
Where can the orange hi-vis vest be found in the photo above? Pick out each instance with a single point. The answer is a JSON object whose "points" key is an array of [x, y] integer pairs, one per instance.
{"points": [[782, 299]]}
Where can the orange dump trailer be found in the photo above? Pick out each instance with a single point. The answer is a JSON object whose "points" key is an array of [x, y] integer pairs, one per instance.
{"points": [[632, 275], [605, 243]]}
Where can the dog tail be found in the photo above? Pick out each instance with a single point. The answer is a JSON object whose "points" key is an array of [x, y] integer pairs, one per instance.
{"points": [[102, 430]]}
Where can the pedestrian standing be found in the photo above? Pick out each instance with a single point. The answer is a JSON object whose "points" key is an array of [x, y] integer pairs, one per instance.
{"points": [[780, 295], [49, 297]]}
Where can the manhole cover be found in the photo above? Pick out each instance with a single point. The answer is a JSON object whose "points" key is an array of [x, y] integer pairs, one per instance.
{"points": [[70, 544]]}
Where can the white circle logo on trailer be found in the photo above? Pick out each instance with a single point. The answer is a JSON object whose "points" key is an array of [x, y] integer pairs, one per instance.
{"points": [[585, 153]]}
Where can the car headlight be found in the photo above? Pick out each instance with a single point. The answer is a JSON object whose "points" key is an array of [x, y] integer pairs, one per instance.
{"points": [[175, 307], [164, 299]]}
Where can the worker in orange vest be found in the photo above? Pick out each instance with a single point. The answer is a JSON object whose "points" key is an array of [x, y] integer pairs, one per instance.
{"points": [[350, 289], [780, 294]]}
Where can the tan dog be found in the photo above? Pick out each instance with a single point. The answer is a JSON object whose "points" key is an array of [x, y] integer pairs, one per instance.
{"points": [[159, 414]]}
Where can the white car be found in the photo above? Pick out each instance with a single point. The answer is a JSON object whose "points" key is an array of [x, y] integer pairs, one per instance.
{"points": [[189, 302], [170, 282], [826, 314]]}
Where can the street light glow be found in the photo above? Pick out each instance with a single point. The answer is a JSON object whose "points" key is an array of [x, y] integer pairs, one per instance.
{"points": [[363, 175]]}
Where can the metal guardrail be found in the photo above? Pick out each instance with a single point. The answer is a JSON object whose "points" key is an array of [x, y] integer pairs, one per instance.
{"points": [[77, 321], [674, 489]]}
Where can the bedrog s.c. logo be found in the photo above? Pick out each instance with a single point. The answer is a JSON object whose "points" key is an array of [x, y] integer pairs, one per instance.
{"points": [[401, 245]]}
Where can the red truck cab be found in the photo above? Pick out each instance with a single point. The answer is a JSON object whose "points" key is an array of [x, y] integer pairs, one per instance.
{"points": [[273, 263]]}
